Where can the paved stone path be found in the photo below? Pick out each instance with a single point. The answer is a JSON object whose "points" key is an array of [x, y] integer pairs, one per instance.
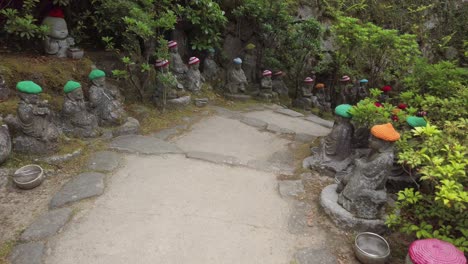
{"points": [[209, 195]]}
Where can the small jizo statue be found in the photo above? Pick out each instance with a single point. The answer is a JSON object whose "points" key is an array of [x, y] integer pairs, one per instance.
{"points": [[210, 68], [39, 134], [250, 63], [321, 99], [103, 101], [177, 66], [57, 40], [362, 92], [4, 91], [266, 86], [279, 86], [236, 80], [305, 97], [78, 121], [167, 87], [362, 191], [337, 145], [347, 93], [384, 96], [194, 78]]}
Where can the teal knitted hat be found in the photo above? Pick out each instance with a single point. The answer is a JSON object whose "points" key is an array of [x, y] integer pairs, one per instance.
{"points": [[28, 87], [342, 110], [71, 86], [96, 74], [416, 121]]}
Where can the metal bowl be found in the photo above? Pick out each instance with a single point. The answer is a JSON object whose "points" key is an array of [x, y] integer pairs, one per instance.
{"points": [[371, 248], [28, 177]]}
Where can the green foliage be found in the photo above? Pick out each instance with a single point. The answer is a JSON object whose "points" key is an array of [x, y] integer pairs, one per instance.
{"points": [[439, 209], [22, 24], [364, 49]]}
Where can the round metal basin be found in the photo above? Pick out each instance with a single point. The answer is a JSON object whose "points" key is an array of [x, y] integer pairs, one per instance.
{"points": [[371, 248], [28, 177]]}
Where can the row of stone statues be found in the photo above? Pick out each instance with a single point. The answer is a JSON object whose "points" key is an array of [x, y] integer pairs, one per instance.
{"points": [[37, 129]]}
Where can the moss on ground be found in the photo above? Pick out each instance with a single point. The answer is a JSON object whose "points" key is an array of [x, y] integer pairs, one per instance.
{"points": [[5, 250]]}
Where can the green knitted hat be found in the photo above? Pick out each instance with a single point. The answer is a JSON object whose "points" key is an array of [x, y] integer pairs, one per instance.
{"points": [[342, 110], [96, 74], [28, 87], [71, 86], [416, 121]]}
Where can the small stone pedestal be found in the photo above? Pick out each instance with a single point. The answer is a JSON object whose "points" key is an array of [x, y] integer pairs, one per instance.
{"points": [[344, 219], [178, 103]]}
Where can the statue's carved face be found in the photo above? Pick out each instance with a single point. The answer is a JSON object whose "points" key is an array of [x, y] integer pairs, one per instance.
{"points": [[267, 77], [100, 81], [57, 27], [29, 98], [238, 66], [376, 144], [195, 66], [76, 95], [174, 49], [210, 55]]}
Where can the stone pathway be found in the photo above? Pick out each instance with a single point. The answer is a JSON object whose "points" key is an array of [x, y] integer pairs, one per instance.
{"points": [[209, 195]]}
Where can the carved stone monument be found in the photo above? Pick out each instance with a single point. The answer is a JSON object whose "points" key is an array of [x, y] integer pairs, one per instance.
{"points": [[250, 63], [362, 90], [384, 96], [266, 87], [334, 153], [57, 42], [320, 100], [5, 143], [78, 121], [210, 68], [236, 82], [168, 90], [360, 196], [305, 97], [347, 91], [279, 86], [104, 102], [36, 133], [177, 66], [194, 78], [4, 91]]}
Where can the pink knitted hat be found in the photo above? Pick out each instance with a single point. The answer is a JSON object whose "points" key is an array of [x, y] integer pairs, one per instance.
{"points": [[193, 60], [345, 78], [161, 63], [278, 73], [266, 73], [172, 44], [308, 80], [435, 251]]}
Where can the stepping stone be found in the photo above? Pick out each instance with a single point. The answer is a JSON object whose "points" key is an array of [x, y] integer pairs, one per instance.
{"points": [[165, 133], [289, 112], [143, 145], [254, 122], [213, 157], [103, 161], [297, 222], [227, 113], [82, 186], [29, 253], [314, 256], [320, 121], [303, 137], [130, 127], [47, 225], [237, 97], [279, 130], [59, 159], [288, 189]]}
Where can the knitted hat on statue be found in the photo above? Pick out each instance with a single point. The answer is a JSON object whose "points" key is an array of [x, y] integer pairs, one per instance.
{"points": [[431, 250], [308, 80], [172, 44], [193, 60], [385, 132], [266, 73], [416, 121], [70, 86], [343, 110], [94, 74], [320, 86], [28, 87], [161, 63]]}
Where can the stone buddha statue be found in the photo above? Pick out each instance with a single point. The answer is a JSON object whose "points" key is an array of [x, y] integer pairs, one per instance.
{"points": [[104, 102], [210, 68], [344, 91], [78, 121], [4, 91], [250, 63], [321, 99], [57, 41], [362, 190], [5, 143], [362, 92], [38, 133], [177, 66], [266, 87], [236, 79], [305, 97], [278, 84], [167, 88], [194, 78]]}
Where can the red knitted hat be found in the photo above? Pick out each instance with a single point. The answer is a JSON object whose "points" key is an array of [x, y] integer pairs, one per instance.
{"points": [[56, 12], [386, 88]]}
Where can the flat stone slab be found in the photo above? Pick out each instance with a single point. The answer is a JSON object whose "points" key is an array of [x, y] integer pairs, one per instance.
{"points": [[47, 225], [29, 253], [344, 219], [315, 256], [103, 161], [226, 112], [130, 127], [237, 97], [279, 130], [58, 159], [82, 186], [289, 112], [291, 189], [213, 157], [304, 137], [288, 123], [165, 133], [254, 122], [143, 145], [297, 222], [320, 121]]}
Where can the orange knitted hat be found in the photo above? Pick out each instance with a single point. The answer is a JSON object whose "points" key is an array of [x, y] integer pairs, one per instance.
{"points": [[320, 86], [385, 132]]}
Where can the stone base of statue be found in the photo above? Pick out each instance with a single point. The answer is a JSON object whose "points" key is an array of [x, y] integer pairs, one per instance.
{"points": [[130, 127], [302, 103], [29, 145], [268, 97], [237, 97], [80, 132], [5, 143], [344, 219], [178, 103]]}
